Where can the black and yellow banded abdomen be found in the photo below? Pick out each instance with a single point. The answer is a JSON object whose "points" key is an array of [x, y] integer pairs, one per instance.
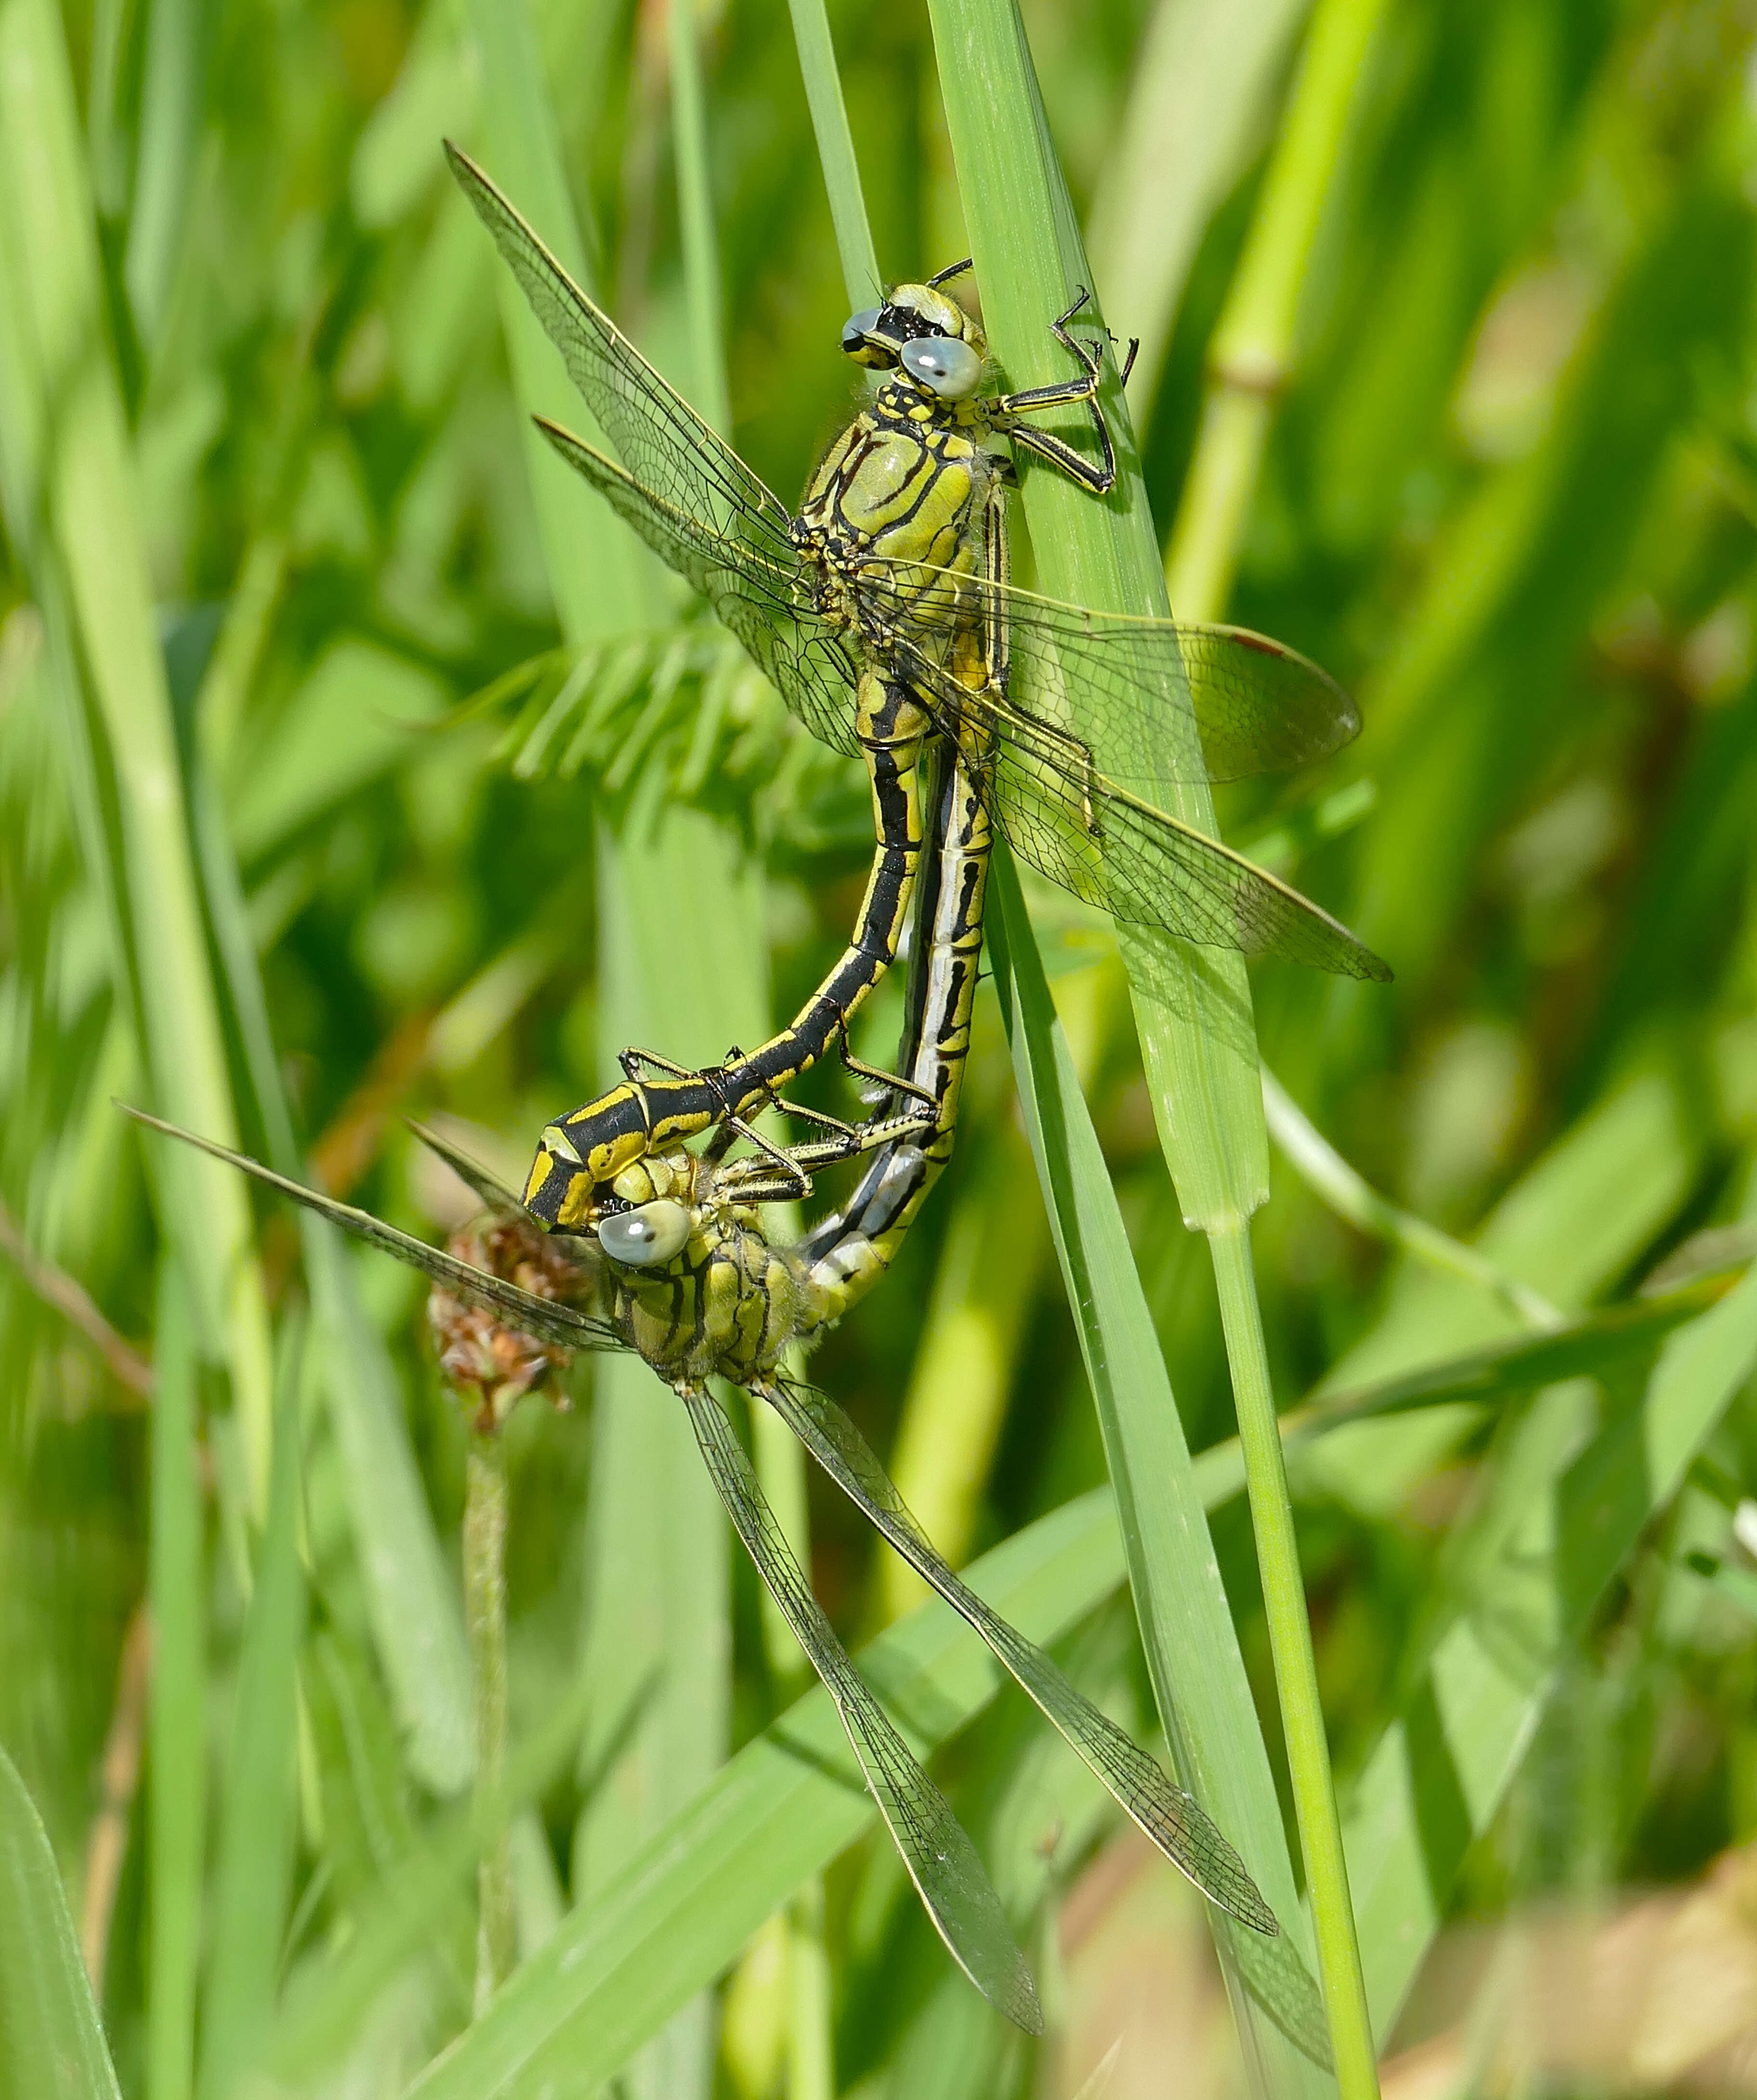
{"points": [[580, 1152]]}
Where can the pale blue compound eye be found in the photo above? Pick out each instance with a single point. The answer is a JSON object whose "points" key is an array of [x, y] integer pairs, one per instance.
{"points": [[948, 367], [646, 1237], [856, 329]]}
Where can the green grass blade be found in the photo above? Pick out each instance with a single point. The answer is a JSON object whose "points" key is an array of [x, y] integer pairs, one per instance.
{"points": [[1325, 1171], [972, 1334], [70, 501], [683, 971], [258, 1808], [598, 574], [171, 113], [695, 209], [177, 1711], [1601, 1344], [418, 1899], [410, 1597], [1192, 1006], [679, 1912], [484, 1549], [1290, 1640], [1570, 1228], [1200, 91], [658, 1637], [1568, 1506], [1253, 350], [52, 2040], [1199, 1680], [835, 152]]}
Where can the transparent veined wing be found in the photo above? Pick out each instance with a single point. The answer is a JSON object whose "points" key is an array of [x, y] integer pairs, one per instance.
{"points": [[546, 1318], [942, 1862], [662, 442], [1092, 836], [1174, 1819], [1260, 707], [765, 603], [493, 1195]]}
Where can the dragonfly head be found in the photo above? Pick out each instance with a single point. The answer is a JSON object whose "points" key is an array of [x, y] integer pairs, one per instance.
{"points": [[921, 332], [641, 1219]]}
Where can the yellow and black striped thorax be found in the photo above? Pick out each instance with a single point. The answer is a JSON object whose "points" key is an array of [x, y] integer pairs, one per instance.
{"points": [[905, 481], [909, 481]]}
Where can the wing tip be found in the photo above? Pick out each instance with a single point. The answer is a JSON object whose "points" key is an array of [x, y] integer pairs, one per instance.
{"points": [[471, 176]]}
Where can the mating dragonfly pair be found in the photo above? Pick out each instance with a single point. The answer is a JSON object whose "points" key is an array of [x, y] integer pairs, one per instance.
{"points": [[884, 615]]}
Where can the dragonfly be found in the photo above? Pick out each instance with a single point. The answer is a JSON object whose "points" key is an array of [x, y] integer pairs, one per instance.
{"points": [[674, 1265], [726, 1303], [884, 613]]}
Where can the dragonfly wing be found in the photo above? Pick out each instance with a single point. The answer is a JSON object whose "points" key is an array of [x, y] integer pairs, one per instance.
{"points": [[476, 1178], [662, 440], [763, 600], [1259, 706], [1148, 868], [1086, 832], [1173, 1819], [941, 1860], [540, 1317]]}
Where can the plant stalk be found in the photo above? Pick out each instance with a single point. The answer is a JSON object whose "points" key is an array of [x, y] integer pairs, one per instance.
{"points": [[835, 150], [1295, 1668], [484, 1616], [1252, 350], [1250, 362], [811, 2055]]}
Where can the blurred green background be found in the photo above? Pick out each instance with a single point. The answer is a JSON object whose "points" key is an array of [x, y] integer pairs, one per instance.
{"points": [[270, 546]]}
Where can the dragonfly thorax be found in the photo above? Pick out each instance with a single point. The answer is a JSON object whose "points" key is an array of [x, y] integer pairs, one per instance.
{"points": [[906, 486], [726, 1303]]}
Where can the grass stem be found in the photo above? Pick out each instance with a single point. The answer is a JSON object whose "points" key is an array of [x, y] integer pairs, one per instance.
{"points": [[695, 211], [1252, 354], [835, 150], [484, 1616], [1335, 1182], [176, 1747], [811, 2054], [1295, 1668]]}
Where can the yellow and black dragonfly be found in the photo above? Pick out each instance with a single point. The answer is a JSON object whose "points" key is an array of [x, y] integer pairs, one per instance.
{"points": [[673, 1262], [685, 1276], [883, 614]]}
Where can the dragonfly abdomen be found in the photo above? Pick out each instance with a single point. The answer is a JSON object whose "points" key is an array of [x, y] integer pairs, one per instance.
{"points": [[582, 1152], [848, 1252]]}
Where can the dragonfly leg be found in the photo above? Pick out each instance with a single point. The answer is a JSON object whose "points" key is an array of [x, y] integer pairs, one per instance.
{"points": [[759, 1181], [1100, 479], [892, 1083], [638, 1063], [775, 1159]]}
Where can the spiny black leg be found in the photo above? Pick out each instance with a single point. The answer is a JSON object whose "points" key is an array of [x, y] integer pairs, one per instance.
{"points": [[1099, 480], [798, 1182], [756, 1181], [891, 1082], [634, 1062]]}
